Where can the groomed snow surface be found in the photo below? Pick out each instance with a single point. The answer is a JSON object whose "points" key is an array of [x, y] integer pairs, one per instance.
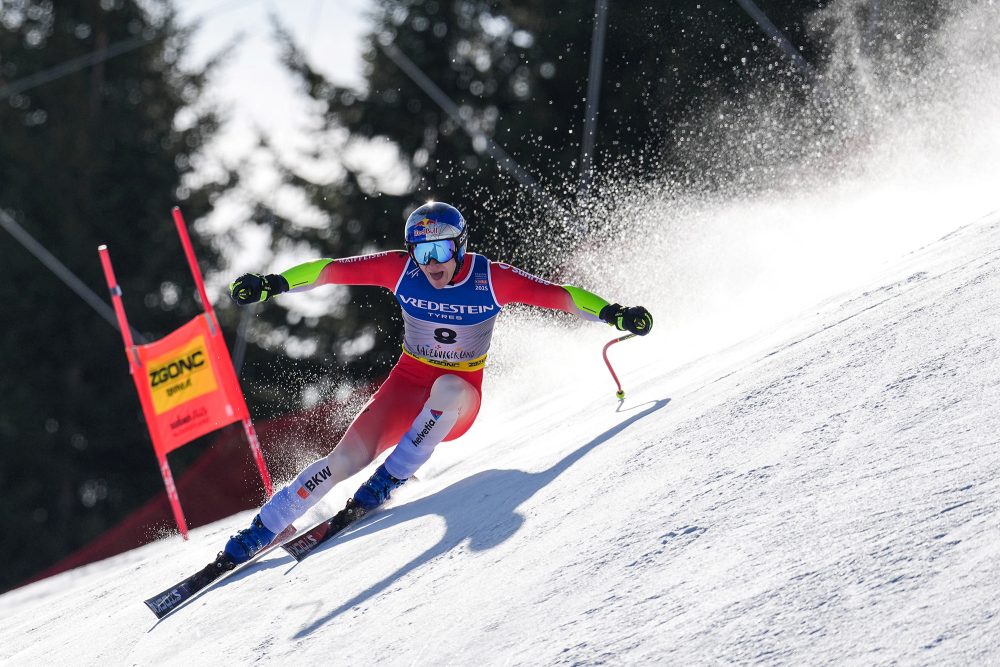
{"points": [[824, 493]]}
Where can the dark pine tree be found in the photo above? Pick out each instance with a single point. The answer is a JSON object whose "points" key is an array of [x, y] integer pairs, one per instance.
{"points": [[98, 154]]}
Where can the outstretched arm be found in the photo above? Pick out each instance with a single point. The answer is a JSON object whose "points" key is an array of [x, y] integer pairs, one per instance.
{"points": [[381, 269], [512, 285]]}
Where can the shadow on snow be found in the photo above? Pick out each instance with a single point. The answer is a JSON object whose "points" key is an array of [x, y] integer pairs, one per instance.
{"points": [[481, 509]]}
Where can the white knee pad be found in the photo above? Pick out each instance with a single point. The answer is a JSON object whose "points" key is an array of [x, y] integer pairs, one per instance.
{"points": [[450, 397], [295, 499]]}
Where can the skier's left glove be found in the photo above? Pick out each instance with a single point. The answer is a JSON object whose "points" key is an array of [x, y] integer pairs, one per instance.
{"points": [[252, 287], [635, 320]]}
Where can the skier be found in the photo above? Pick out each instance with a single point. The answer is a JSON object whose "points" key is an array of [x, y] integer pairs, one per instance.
{"points": [[450, 300]]}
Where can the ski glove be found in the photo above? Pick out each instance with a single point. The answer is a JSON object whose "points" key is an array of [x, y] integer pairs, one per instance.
{"points": [[252, 287], [635, 320]]}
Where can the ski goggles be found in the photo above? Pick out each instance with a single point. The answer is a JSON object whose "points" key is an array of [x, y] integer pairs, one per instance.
{"points": [[424, 252]]}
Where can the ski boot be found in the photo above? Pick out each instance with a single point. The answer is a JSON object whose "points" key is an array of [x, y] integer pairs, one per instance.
{"points": [[242, 546], [376, 490]]}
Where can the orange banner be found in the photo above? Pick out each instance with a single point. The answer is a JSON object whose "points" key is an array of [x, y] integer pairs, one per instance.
{"points": [[188, 387]]}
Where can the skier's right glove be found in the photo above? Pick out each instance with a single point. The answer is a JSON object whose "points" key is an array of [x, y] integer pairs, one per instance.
{"points": [[252, 287], [636, 319]]}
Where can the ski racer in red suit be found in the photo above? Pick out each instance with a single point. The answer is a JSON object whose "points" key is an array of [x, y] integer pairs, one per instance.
{"points": [[450, 300]]}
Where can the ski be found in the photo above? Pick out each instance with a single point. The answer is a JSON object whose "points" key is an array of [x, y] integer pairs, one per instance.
{"points": [[173, 597], [306, 543], [298, 548]]}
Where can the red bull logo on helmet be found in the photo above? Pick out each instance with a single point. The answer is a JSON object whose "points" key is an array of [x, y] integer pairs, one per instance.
{"points": [[429, 230]]}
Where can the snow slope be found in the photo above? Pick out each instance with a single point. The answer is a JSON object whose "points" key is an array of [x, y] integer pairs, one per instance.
{"points": [[825, 492]]}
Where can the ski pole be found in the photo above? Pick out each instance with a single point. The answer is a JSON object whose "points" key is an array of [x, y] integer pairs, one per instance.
{"points": [[621, 392]]}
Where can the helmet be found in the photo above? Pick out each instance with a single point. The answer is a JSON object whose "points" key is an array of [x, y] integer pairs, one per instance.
{"points": [[436, 221]]}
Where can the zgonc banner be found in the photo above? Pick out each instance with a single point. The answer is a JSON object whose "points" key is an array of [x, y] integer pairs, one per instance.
{"points": [[187, 387], [186, 382]]}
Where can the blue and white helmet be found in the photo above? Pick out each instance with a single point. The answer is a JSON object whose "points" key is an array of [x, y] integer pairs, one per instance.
{"points": [[436, 221]]}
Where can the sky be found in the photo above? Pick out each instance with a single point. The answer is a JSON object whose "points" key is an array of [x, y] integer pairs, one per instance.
{"points": [[253, 85], [259, 98]]}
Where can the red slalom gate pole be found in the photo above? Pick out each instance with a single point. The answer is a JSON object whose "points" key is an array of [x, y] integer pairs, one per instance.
{"points": [[621, 392], [175, 499], [248, 428], [192, 262], [134, 364], [116, 299]]}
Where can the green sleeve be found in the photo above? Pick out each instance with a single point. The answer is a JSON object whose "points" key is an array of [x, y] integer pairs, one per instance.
{"points": [[586, 302], [304, 275]]}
